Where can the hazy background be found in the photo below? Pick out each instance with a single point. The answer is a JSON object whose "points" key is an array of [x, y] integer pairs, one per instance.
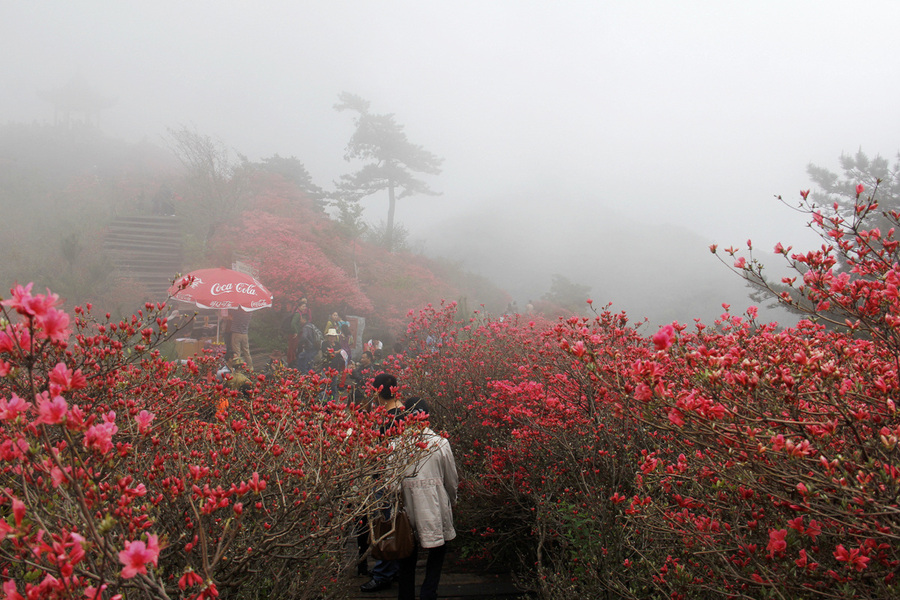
{"points": [[607, 142]]}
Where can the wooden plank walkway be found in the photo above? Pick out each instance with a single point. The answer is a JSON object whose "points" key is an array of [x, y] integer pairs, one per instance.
{"points": [[456, 583], [454, 586]]}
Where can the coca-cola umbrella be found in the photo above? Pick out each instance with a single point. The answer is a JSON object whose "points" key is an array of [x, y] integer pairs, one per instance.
{"points": [[221, 289]]}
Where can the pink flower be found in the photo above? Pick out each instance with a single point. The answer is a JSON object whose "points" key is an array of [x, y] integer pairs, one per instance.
{"points": [[99, 437], [9, 589], [664, 337], [58, 476], [53, 325], [21, 296], [10, 409], [65, 379], [18, 511], [137, 554], [144, 419], [643, 393], [776, 541], [676, 417], [51, 411], [860, 188], [7, 342], [40, 305], [15, 337], [804, 193]]}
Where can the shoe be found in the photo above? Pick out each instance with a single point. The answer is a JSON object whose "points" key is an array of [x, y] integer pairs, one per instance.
{"points": [[374, 586]]}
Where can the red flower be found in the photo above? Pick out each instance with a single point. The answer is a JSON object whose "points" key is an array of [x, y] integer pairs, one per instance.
{"points": [[10, 409], [10, 592], [257, 484], [144, 419], [854, 558], [776, 542], [137, 554], [66, 379], [664, 337], [21, 298], [51, 411], [190, 578], [814, 529]]}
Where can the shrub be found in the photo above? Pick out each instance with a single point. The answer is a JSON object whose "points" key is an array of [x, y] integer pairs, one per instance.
{"points": [[118, 480]]}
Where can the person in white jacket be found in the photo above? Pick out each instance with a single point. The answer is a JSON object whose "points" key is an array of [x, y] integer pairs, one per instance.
{"points": [[429, 495]]}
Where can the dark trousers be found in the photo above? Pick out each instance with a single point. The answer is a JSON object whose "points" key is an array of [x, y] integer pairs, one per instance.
{"points": [[407, 576]]}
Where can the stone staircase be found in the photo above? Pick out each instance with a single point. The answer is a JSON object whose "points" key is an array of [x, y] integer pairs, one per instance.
{"points": [[146, 249]]}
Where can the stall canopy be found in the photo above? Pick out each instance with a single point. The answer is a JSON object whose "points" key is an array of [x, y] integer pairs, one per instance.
{"points": [[221, 289]]}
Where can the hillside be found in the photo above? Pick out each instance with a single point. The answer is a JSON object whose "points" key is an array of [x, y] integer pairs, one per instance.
{"points": [[61, 189]]}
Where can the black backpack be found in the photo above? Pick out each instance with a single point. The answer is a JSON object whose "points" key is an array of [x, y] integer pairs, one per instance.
{"points": [[318, 333], [286, 328]]}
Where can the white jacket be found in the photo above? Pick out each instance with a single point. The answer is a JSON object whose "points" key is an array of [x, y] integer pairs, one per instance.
{"points": [[429, 492]]}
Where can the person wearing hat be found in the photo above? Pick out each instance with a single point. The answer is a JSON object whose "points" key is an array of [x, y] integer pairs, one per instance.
{"points": [[335, 322]]}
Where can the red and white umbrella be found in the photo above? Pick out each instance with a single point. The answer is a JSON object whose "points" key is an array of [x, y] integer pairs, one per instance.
{"points": [[221, 288]]}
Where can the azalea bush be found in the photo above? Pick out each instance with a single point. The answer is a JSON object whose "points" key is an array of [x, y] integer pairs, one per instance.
{"points": [[125, 475], [734, 459], [726, 460]]}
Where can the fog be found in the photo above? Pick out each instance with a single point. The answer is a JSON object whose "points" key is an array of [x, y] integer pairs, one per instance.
{"points": [[608, 142]]}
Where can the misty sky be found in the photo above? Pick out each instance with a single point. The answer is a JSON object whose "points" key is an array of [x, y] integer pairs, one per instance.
{"points": [[684, 114]]}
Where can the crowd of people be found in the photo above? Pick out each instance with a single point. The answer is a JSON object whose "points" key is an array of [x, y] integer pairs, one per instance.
{"points": [[307, 349], [336, 350]]}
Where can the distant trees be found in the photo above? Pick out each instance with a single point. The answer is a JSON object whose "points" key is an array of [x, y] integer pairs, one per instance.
{"points": [[214, 195], [567, 294], [293, 171], [391, 160], [880, 181], [857, 169]]}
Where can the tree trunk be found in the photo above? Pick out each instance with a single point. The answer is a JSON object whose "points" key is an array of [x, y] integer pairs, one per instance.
{"points": [[389, 229]]}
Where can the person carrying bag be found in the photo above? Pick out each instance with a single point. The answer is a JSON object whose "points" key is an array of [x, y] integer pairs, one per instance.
{"points": [[391, 539]]}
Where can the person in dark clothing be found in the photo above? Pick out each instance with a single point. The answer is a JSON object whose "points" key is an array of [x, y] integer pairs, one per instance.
{"points": [[308, 346], [226, 317], [360, 377], [385, 571]]}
